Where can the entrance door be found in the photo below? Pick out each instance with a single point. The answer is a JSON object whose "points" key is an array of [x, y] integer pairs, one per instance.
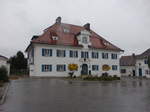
{"points": [[140, 72], [84, 70]]}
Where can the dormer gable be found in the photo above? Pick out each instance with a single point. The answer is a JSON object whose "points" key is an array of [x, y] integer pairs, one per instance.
{"points": [[84, 38]]}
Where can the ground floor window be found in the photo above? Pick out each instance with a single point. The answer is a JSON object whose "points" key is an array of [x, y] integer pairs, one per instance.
{"points": [[114, 67], [95, 67], [123, 70], [61, 68], [46, 68], [147, 72]]}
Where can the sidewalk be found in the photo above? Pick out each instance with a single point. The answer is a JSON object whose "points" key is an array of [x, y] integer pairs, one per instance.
{"points": [[3, 93]]}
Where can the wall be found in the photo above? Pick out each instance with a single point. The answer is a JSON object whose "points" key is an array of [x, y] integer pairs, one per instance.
{"points": [[129, 70], [140, 64], [39, 60]]}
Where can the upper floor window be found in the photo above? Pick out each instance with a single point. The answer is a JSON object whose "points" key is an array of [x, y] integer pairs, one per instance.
{"points": [[95, 67], [95, 55], [84, 54], [61, 53], [61, 68], [113, 56], [73, 54], [146, 61], [105, 55], [32, 52], [46, 68], [84, 40], [114, 67], [46, 52]]}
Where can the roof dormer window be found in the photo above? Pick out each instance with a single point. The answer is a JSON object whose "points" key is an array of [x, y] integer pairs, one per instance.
{"points": [[54, 37], [66, 30]]}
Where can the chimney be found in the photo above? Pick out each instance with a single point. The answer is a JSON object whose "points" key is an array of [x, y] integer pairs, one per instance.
{"points": [[133, 55], [87, 26], [58, 20]]}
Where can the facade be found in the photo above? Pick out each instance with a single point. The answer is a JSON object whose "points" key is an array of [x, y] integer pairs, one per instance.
{"points": [[4, 62], [135, 65], [62, 44]]}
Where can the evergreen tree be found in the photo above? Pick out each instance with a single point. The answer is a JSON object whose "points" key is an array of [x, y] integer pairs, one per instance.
{"points": [[148, 62]]}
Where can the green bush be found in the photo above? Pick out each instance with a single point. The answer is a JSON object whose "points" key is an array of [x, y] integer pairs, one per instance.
{"points": [[3, 74]]}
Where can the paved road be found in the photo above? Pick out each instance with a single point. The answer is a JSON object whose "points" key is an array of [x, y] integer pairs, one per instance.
{"points": [[56, 95]]}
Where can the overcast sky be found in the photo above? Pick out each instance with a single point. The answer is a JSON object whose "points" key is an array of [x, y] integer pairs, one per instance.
{"points": [[125, 23]]}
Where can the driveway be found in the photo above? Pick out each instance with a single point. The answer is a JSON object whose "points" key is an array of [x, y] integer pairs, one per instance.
{"points": [[57, 95]]}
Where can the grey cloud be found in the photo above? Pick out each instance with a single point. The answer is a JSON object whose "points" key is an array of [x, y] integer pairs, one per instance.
{"points": [[125, 23]]}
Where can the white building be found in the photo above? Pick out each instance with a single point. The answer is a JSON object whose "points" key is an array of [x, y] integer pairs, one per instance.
{"points": [[135, 65], [61, 44], [4, 62]]}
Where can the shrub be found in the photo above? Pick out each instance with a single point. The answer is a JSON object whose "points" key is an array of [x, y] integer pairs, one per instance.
{"points": [[3, 74], [101, 78]]}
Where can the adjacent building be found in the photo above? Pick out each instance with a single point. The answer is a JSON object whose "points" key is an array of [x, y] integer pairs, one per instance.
{"points": [[4, 62], [62, 44], [135, 65]]}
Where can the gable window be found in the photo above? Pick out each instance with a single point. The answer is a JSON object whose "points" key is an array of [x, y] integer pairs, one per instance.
{"points": [[95, 55], [105, 55], [46, 52], [46, 68], [114, 67], [61, 53], [123, 70], [84, 54], [84, 40], [113, 56], [95, 67], [61, 68]]}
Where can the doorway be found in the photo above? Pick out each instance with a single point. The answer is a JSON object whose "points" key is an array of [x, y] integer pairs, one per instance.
{"points": [[133, 71], [140, 72], [84, 70]]}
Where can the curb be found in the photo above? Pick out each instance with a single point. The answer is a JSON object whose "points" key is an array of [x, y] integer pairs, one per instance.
{"points": [[4, 94]]}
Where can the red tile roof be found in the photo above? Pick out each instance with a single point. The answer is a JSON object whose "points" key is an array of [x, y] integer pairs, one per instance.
{"points": [[3, 57], [69, 38], [131, 60], [128, 60]]}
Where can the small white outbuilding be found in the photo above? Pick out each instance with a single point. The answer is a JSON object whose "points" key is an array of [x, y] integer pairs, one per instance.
{"points": [[4, 62]]}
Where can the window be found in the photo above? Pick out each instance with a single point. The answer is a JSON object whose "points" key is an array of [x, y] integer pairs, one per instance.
{"points": [[32, 52], [61, 68], [95, 55], [114, 67], [113, 56], [46, 68], [61, 53], [54, 37], [95, 67], [123, 70], [146, 61], [84, 40], [105, 55], [66, 30], [46, 52], [74, 54], [84, 54]]}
